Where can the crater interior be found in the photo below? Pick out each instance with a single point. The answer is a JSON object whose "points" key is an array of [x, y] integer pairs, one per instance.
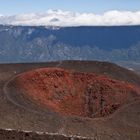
{"points": [[75, 93]]}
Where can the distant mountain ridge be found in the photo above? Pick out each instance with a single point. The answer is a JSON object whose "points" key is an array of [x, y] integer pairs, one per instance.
{"points": [[39, 44]]}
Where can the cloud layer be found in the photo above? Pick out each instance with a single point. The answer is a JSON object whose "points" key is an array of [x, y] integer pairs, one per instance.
{"points": [[68, 18]]}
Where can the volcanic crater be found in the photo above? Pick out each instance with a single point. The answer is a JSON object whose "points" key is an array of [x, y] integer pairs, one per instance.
{"points": [[74, 93]]}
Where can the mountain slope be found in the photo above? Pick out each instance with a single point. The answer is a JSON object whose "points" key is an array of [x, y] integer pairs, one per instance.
{"points": [[30, 44]]}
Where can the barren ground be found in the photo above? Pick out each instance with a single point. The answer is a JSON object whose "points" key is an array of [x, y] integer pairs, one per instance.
{"points": [[18, 114]]}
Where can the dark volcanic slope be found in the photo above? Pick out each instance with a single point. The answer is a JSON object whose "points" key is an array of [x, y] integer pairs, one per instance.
{"points": [[123, 124]]}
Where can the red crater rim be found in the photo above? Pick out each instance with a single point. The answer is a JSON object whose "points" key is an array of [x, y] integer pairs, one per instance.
{"points": [[75, 93]]}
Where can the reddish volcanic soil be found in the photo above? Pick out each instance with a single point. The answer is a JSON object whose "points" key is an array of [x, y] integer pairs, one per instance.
{"points": [[74, 93]]}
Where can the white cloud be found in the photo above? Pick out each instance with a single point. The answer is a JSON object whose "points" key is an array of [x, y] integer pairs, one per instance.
{"points": [[68, 18]]}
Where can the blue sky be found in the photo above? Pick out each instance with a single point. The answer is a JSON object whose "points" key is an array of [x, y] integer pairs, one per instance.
{"points": [[10, 7]]}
